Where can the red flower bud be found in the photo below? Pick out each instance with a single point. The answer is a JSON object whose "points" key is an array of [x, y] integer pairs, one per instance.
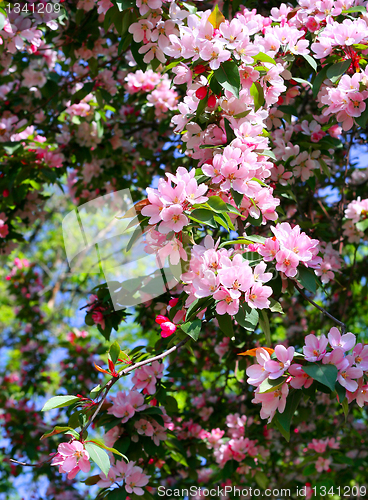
{"points": [[6, 193], [199, 69], [212, 101], [201, 93]]}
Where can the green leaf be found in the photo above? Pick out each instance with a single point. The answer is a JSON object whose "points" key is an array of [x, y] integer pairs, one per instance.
{"points": [[306, 277], [203, 216], [276, 306], [286, 416], [192, 328], [247, 317], [352, 10], [242, 115], [215, 87], [286, 108], [320, 77], [362, 225], [178, 457], [122, 444], [363, 118], [345, 406], [85, 90], [197, 306], [237, 197], [134, 47], [261, 56], [268, 153], [261, 479], [117, 494], [265, 326], [59, 402], [336, 70], [2, 21], [311, 61], [125, 4], [256, 91], [202, 105], [217, 204], [301, 80], [114, 352], [309, 469], [270, 385], [228, 77], [226, 324], [99, 457], [325, 374], [230, 135], [325, 167], [101, 444], [341, 392]]}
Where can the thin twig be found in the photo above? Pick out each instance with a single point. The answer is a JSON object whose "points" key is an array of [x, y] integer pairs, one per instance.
{"points": [[340, 323], [124, 372], [24, 464]]}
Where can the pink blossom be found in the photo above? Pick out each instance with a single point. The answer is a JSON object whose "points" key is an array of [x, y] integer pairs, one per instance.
{"points": [[285, 357], [257, 296], [360, 354], [345, 342], [173, 219], [315, 348], [322, 464], [300, 378], [71, 458], [347, 378], [257, 373], [272, 401], [226, 303]]}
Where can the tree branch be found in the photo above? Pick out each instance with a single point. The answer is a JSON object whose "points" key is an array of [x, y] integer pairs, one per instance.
{"points": [[340, 323], [124, 372]]}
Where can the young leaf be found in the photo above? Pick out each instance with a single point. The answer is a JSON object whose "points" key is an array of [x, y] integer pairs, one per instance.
{"points": [[336, 70], [59, 402], [256, 91], [217, 204], [253, 352], [247, 319], [101, 444], [320, 77], [228, 77], [306, 277], [226, 324], [362, 225], [301, 80], [261, 56], [270, 385], [265, 326], [311, 61], [216, 17], [99, 457], [56, 430], [284, 418], [114, 352], [325, 374], [192, 328]]}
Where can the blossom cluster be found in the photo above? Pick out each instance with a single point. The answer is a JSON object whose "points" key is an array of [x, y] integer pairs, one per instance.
{"points": [[356, 213], [227, 277], [161, 95], [350, 369], [125, 405], [132, 475]]}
